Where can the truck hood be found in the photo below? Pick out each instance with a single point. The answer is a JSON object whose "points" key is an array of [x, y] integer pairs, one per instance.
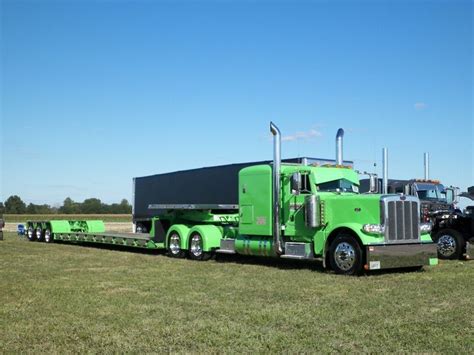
{"points": [[352, 208]]}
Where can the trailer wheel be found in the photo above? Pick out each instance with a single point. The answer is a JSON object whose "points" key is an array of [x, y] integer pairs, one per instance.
{"points": [[30, 233], [174, 246], [345, 255], [450, 244], [39, 234], [196, 248], [48, 238]]}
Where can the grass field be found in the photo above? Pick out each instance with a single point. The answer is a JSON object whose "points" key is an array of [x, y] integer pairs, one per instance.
{"points": [[22, 218], [66, 298]]}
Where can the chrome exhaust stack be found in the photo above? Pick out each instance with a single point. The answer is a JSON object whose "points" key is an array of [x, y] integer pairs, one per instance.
{"points": [[427, 166], [339, 146], [277, 244], [385, 171]]}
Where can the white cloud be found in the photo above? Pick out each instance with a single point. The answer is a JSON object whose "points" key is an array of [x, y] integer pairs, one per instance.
{"points": [[312, 133], [419, 106]]}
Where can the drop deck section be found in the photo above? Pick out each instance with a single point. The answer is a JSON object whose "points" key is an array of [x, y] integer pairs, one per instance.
{"points": [[92, 231]]}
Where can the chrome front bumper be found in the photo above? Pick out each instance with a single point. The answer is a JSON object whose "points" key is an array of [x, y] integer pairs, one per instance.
{"points": [[401, 255]]}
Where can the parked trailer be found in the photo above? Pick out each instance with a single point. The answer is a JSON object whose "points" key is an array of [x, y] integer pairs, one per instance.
{"points": [[284, 210], [453, 229]]}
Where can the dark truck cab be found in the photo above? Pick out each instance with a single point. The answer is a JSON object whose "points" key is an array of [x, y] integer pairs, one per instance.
{"points": [[453, 229]]}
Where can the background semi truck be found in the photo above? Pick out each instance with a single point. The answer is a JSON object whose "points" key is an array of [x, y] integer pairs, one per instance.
{"points": [[452, 229], [293, 210]]}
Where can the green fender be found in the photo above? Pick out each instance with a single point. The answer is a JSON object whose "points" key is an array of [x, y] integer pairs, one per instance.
{"points": [[60, 226], [182, 230], [211, 236], [320, 240]]}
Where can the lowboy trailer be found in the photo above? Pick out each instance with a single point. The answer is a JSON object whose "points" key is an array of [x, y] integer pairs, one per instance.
{"points": [[284, 210]]}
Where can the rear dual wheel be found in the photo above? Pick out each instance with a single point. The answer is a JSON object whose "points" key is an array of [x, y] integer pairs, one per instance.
{"points": [[196, 248], [174, 246]]}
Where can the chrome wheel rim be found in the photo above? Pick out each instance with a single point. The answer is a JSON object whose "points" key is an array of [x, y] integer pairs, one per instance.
{"points": [[447, 245], [47, 236], [38, 233], [175, 244], [196, 245], [30, 233], [344, 256]]}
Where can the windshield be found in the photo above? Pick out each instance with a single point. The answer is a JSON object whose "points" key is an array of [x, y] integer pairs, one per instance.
{"points": [[431, 192], [341, 185]]}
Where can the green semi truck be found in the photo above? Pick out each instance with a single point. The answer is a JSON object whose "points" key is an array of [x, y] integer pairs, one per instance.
{"points": [[285, 210]]}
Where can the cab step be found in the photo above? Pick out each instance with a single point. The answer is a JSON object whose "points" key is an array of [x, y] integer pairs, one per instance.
{"points": [[227, 246], [299, 251]]}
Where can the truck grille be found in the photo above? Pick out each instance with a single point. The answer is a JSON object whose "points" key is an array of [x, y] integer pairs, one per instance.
{"points": [[401, 219]]}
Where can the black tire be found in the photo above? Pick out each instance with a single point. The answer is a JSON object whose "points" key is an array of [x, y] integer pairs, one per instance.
{"points": [[174, 249], [195, 250], [30, 234], [451, 244], [48, 236], [39, 234], [345, 255]]}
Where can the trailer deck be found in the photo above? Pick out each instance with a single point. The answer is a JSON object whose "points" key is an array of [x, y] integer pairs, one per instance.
{"points": [[141, 240]]}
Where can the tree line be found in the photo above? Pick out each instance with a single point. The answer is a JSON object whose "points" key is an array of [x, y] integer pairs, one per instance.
{"points": [[15, 205]]}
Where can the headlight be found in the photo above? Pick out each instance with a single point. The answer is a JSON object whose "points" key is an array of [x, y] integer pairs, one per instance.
{"points": [[374, 228], [425, 227]]}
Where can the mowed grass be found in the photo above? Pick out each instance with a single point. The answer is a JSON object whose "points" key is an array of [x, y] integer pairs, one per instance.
{"points": [[22, 218], [68, 298]]}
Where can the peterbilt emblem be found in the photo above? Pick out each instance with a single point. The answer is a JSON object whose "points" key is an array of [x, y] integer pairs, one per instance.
{"points": [[403, 197]]}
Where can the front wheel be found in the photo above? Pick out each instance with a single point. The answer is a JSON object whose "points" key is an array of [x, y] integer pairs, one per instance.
{"points": [[450, 244], [196, 248], [345, 255]]}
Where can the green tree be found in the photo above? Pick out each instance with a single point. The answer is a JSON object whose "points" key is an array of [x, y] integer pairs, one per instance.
{"points": [[2, 208], [15, 205], [31, 209], [125, 207], [70, 207], [39, 209], [92, 205]]}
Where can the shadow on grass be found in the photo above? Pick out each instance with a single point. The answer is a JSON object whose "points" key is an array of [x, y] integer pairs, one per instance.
{"points": [[282, 264]]}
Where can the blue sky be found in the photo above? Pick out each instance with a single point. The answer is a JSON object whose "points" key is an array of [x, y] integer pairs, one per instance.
{"points": [[94, 93]]}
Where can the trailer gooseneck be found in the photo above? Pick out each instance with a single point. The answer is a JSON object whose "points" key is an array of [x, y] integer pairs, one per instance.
{"points": [[294, 210]]}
